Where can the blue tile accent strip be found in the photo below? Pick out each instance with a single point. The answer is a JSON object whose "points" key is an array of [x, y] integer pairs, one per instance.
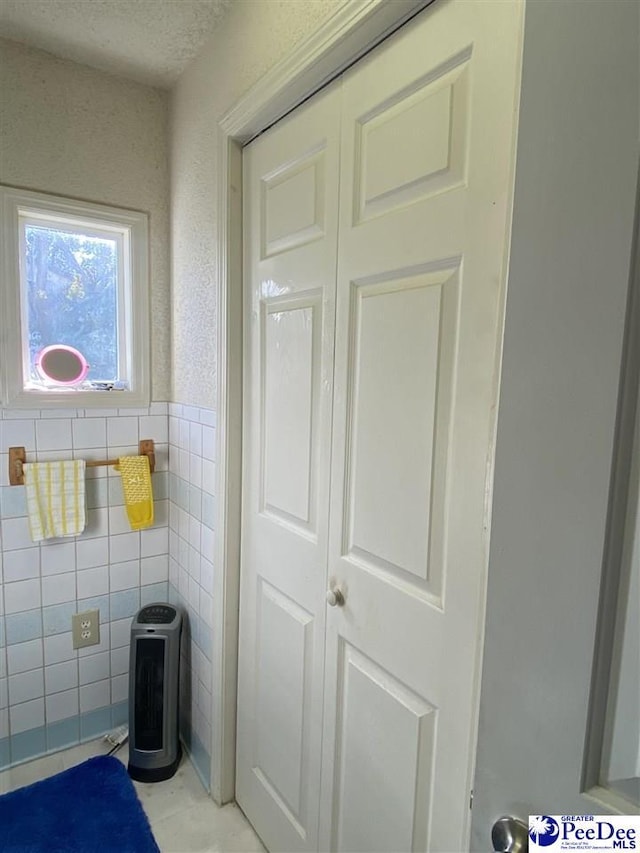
{"points": [[183, 494], [195, 502], [206, 640], [153, 592], [99, 602], [160, 485], [173, 488], [124, 603], [120, 714], [24, 626], [201, 760], [57, 618], [174, 595], [97, 493], [5, 752], [208, 509], [63, 734], [13, 500], [27, 745], [95, 723]]}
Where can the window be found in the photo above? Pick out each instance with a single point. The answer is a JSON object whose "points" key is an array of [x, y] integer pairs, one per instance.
{"points": [[75, 324]]}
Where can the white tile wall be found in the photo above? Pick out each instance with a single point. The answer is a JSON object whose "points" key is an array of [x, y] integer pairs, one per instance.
{"points": [[120, 633], [92, 552], [54, 434], [59, 588], [25, 686], [58, 558], [89, 432], [15, 533], [22, 564], [23, 656], [124, 547], [26, 715], [93, 582], [43, 680], [119, 688], [96, 695], [95, 668], [120, 661], [61, 676], [192, 488], [58, 648], [22, 595], [61, 706]]}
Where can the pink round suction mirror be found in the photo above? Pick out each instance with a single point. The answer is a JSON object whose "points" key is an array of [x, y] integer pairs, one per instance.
{"points": [[61, 365]]}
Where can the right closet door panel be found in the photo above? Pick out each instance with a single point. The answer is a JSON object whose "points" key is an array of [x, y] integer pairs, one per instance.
{"points": [[427, 136]]}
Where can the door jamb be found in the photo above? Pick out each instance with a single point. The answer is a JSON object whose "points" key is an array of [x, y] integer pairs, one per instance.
{"points": [[355, 28]]}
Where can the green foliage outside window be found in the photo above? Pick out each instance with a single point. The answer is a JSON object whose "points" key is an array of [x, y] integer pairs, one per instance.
{"points": [[72, 297]]}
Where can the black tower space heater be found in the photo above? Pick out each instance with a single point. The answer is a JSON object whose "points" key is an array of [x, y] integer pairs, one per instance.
{"points": [[154, 664]]}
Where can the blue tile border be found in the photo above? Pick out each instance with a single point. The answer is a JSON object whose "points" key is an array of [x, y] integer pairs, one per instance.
{"points": [[154, 592], [98, 602], [95, 723], [13, 501], [208, 509], [5, 753], [124, 603], [119, 714], [199, 758], [56, 618], [23, 626], [28, 745], [160, 485], [63, 734], [46, 740], [195, 502]]}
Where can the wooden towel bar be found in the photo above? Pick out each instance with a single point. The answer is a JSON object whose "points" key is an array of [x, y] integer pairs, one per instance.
{"points": [[18, 456]]}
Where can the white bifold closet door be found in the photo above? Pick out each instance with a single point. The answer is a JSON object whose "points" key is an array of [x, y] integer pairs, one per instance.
{"points": [[375, 250], [291, 224]]}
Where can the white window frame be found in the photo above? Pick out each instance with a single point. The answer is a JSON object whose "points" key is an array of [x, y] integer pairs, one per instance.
{"points": [[131, 230]]}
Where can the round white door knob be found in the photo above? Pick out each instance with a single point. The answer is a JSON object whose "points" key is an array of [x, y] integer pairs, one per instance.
{"points": [[335, 598]]}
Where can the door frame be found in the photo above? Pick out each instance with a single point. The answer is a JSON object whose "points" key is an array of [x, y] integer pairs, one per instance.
{"points": [[355, 28]]}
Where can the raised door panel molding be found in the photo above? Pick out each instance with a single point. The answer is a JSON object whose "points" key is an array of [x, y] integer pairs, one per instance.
{"points": [[384, 750], [291, 373], [282, 700], [413, 145], [293, 205], [403, 343]]}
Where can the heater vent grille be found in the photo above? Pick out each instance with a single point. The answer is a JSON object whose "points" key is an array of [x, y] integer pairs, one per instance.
{"points": [[149, 694]]}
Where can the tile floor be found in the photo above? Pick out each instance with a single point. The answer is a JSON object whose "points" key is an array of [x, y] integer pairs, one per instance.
{"points": [[183, 817]]}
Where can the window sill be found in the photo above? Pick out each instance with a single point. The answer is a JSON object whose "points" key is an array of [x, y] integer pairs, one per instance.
{"points": [[78, 399]]}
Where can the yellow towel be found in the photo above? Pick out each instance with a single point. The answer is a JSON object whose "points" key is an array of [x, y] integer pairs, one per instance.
{"points": [[136, 485], [55, 498]]}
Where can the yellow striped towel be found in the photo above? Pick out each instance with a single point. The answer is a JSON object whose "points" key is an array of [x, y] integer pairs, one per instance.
{"points": [[55, 498], [136, 485]]}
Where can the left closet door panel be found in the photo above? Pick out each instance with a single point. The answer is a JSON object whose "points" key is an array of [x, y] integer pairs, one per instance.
{"points": [[291, 214]]}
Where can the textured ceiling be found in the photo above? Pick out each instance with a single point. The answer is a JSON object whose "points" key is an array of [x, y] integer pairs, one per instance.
{"points": [[150, 41]]}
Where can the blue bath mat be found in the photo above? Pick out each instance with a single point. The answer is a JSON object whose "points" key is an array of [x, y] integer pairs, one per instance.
{"points": [[91, 808]]}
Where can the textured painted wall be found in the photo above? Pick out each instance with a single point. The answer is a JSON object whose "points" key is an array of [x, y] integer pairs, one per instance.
{"points": [[252, 38], [68, 129]]}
